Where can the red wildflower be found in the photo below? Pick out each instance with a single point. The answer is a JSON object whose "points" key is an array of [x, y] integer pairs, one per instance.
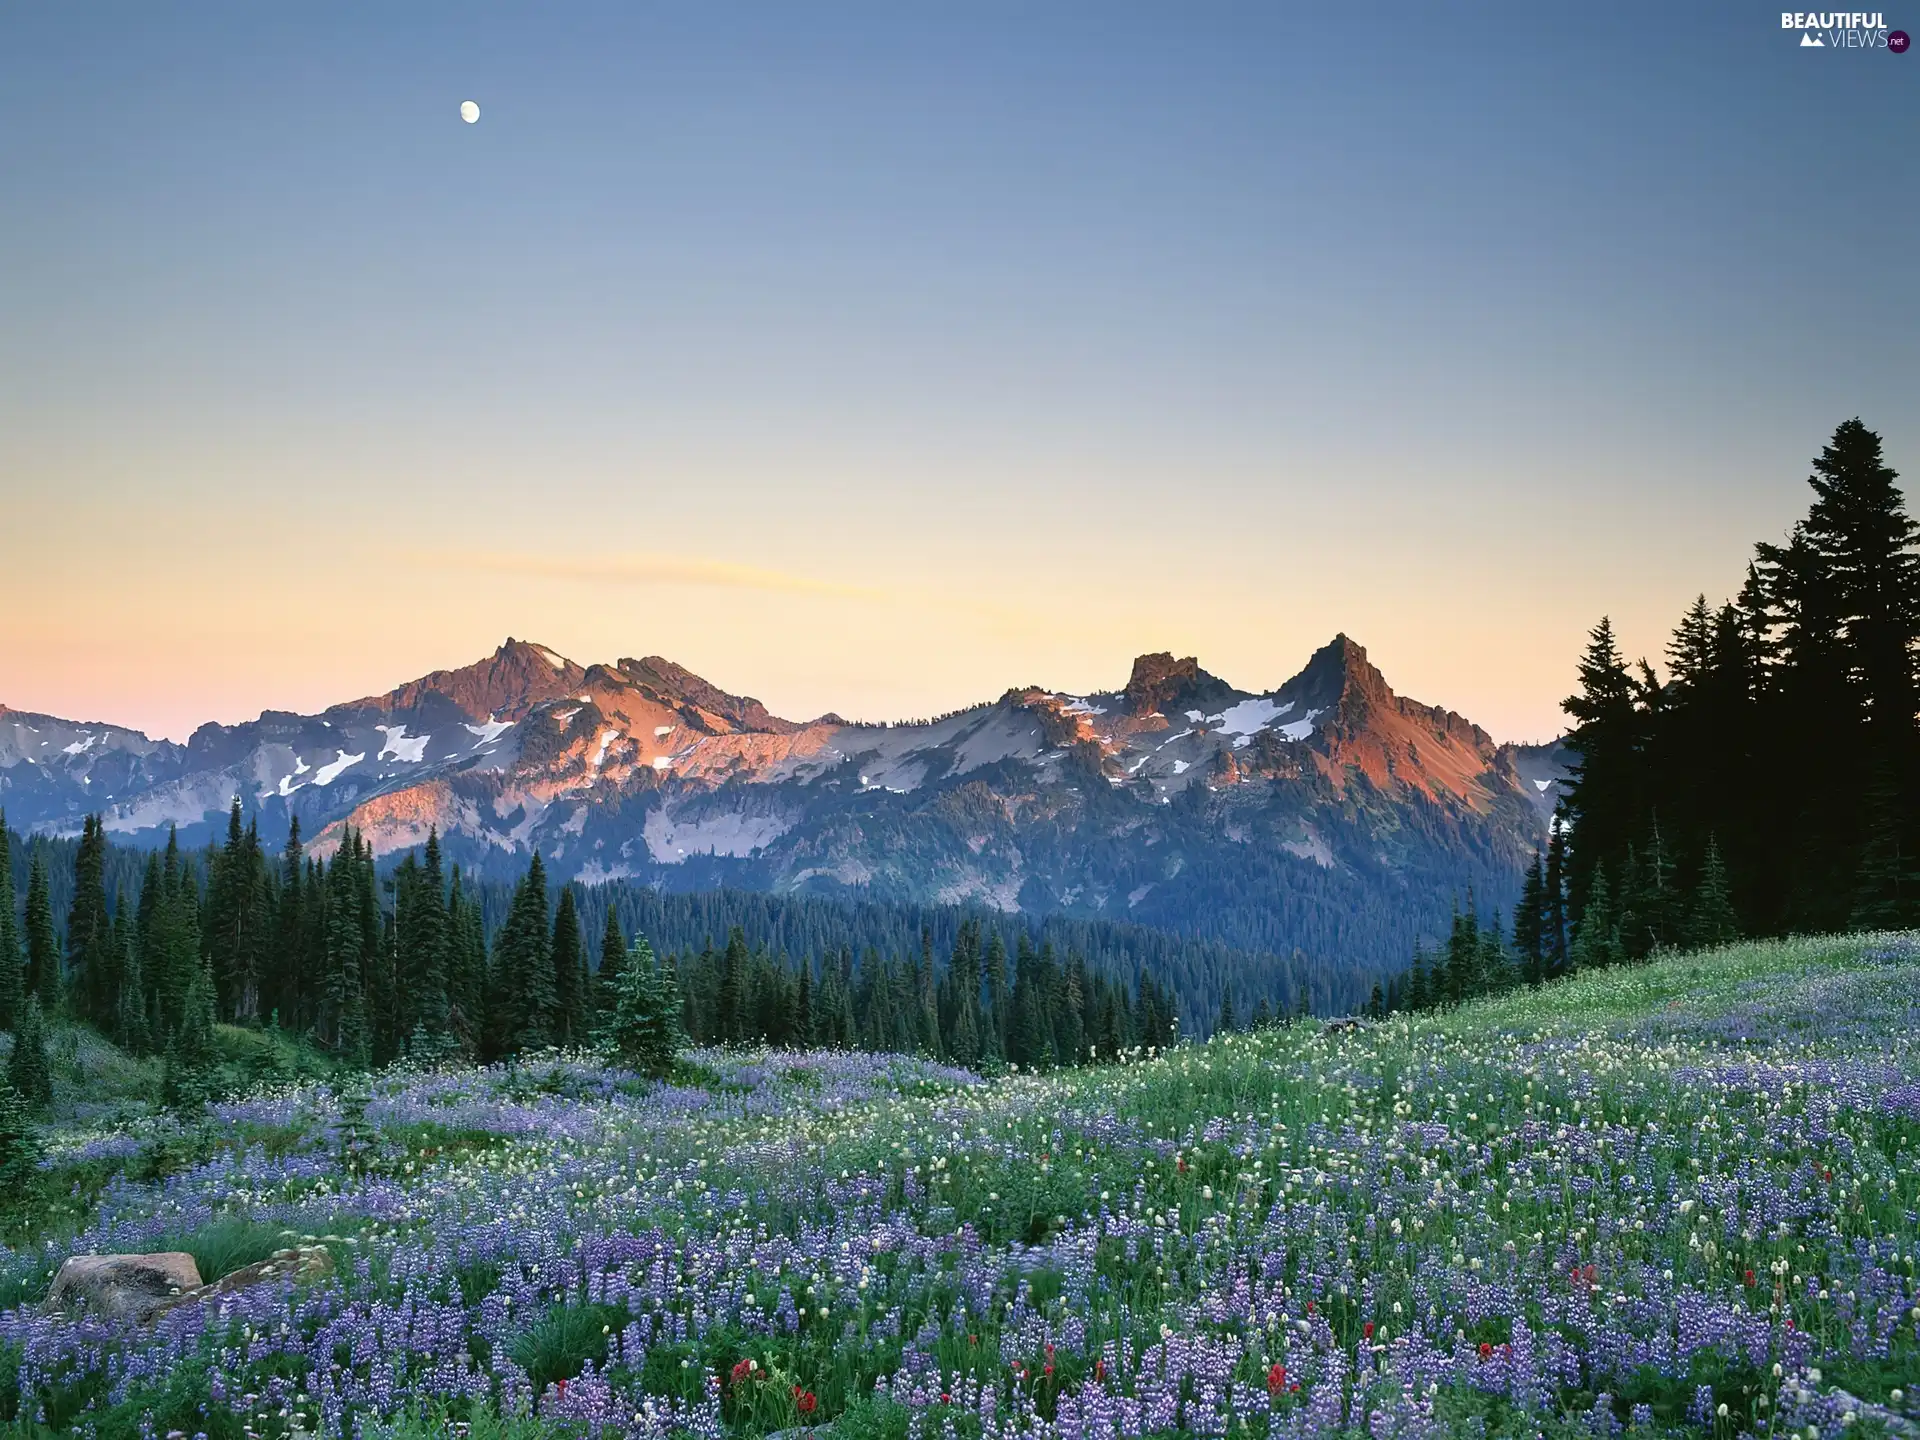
{"points": [[1749, 1279], [805, 1401], [1366, 1331], [1276, 1378], [1049, 1369], [560, 1389], [742, 1371], [1309, 1307], [1182, 1164], [1486, 1351], [1099, 1369], [945, 1398]]}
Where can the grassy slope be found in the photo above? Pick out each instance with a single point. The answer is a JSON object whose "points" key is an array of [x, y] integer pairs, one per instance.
{"points": [[1639, 1121]]}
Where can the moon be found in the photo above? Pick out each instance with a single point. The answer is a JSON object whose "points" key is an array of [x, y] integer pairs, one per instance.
{"points": [[469, 111]]}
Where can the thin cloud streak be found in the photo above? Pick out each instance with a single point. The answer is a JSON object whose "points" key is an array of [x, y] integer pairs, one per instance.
{"points": [[648, 570]]}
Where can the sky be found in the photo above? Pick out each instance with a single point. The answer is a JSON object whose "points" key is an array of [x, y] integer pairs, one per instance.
{"points": [[877, 358]]}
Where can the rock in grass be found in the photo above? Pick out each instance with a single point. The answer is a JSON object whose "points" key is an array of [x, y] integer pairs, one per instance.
{"points": [[144, 1287], [303, 1262], [128, 1287]]}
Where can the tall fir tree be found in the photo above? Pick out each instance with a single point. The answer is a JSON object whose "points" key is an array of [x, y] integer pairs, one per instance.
{"points": [[27, 1069], [1710, 918], [570, 1025], [235, 929], [645, 1027], [90, 959], [522, 1006], [1529, 923], [13, 975], [192, 1058], [43, 945]]}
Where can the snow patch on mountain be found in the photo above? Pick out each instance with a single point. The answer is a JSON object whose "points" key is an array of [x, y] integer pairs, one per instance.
{"points": [[552, 659], [79, 747], [607, 737], [1311, 847], [287, 785], [596, 873], [400, 746], [1249, 717], [490, 731], [735, 835], [1299, 729], [331, 771]]}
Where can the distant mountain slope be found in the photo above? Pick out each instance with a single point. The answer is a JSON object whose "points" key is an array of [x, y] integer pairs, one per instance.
{"points": [[1327, 815]]}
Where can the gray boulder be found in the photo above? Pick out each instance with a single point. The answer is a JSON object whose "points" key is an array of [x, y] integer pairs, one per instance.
{"points": [[124, 1287]]}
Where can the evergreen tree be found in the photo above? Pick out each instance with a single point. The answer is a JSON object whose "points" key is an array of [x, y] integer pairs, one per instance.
{"points": [[20, 1151], [1596, 938], [466, 968], [993, 1040], [236, 920], [1553, 906], [287, 980], [523, 1006], [1529, 923], [344, 1024], [422, 945], [28, 1073], [803, 1006], [645, 1029], [187, 1080], [1419, 995], [90, 958], [732, 1022], [1711, 919], [170, 957], [130, 1029], [569, 974], [1226, 1025], [43, 947], [606, 980], [13, 977]]}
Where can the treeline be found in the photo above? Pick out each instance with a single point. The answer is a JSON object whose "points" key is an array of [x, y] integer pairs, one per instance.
{"points": [[372, 969], [1771, 782], [977, 1005], [791, 929]]}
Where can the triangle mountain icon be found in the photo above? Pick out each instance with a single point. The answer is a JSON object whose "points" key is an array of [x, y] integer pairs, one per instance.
{"points": [[1812, 42]]}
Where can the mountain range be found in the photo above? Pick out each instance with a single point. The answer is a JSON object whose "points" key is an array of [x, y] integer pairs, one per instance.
{"points": [[1328, 816]]}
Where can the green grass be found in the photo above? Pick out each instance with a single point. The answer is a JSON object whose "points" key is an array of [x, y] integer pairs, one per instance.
{"points": [[229, 1245]]}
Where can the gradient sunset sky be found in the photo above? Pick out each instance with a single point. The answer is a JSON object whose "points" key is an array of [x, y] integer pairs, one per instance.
{"points": [[876, 358]]}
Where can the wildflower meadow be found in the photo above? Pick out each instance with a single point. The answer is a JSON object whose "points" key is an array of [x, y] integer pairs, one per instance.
{"points": [[1678, 1198]]}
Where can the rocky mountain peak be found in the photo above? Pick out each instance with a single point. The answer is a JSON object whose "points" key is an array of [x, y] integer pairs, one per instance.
{"points": [[1160, 682], [505, 685], [674, 684]]}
